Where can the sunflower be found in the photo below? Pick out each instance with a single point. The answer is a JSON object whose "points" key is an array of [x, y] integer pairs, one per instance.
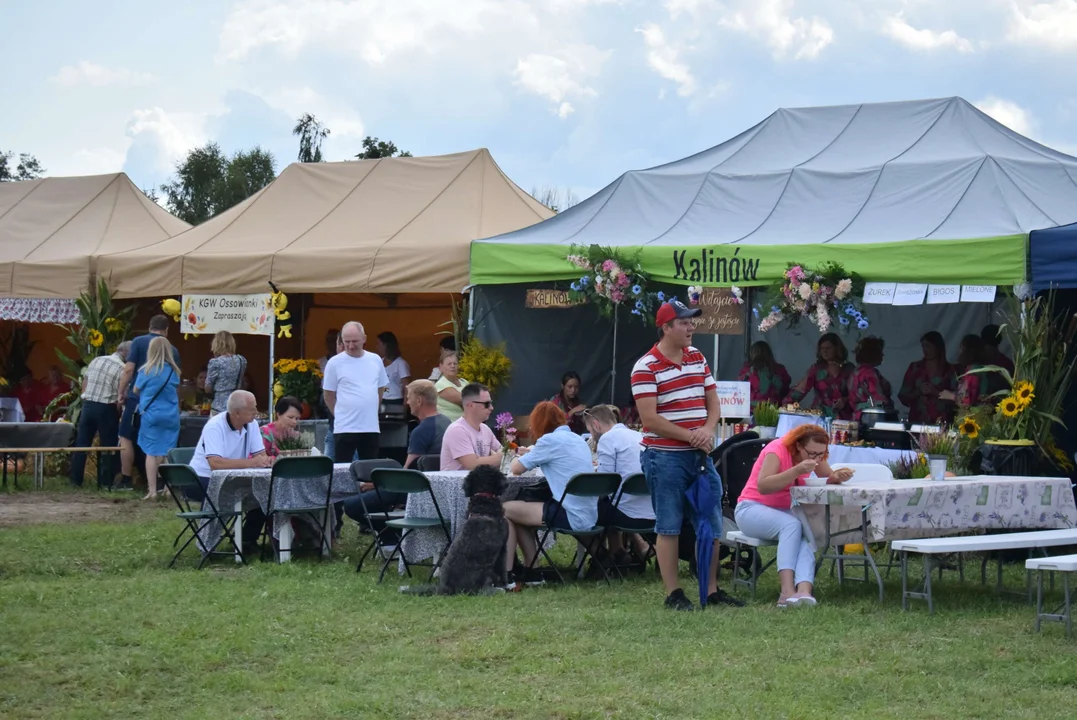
{"points": [[969, 428], [96, 338], [1010, 406], [1024, 391]]}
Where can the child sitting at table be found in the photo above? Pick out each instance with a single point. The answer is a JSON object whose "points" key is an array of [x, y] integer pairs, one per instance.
{"points": [[763, 509]]}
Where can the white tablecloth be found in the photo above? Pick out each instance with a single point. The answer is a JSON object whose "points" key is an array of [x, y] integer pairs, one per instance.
{"points": [[902, 509], [448, 489]]}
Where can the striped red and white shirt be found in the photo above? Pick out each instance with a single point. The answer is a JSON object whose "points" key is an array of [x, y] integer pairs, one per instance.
{"points": [[680, 392]]}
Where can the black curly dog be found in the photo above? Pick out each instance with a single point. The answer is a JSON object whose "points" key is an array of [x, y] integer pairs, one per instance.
{"points": [[475, 563]]}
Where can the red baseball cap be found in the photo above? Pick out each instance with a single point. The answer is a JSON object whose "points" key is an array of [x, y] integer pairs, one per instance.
{"points": [[674, 310]]}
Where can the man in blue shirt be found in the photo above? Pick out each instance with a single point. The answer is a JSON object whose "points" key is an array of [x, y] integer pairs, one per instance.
{"points": [[425, 440], [136, 358]]}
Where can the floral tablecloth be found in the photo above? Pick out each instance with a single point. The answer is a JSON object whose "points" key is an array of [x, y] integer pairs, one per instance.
{"points": [[448, 489], [901, 509], [251, 488]]}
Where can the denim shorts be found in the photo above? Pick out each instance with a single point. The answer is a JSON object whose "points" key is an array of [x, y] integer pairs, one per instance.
{"points": [[554, 516], [669, 474]]}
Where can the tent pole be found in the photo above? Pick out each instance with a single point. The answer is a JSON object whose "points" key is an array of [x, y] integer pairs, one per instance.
{"points": [[714, 367], [613, 373], [272, 348]]}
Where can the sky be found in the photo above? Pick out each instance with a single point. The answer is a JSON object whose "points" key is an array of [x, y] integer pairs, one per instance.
{"points": [[565, 93]]}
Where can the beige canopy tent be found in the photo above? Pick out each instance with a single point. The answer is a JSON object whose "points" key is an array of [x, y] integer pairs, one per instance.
{"points": [[392, 225], [51, 231]]}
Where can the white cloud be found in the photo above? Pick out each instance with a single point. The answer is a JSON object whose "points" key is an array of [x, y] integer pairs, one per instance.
{"points": [[1051, 24], [374, 31], [924, 39], [772, 22], [663, 58], [170, 135], [88, 73], [561, 76], [1009, 114]]}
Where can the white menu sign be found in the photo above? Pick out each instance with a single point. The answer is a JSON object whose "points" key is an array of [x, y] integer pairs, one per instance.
{"points": [[978, 293], [735, 399], [909, 294], [943, 294], [879, 293]]}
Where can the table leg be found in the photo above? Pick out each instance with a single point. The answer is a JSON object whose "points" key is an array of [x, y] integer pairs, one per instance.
{"points": [[237, 532], [1039, 599], [39, 470], [285, 538]]}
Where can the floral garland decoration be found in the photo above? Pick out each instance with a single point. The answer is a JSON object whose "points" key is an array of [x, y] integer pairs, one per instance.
{"points": [[610, 280], [826, 296]]}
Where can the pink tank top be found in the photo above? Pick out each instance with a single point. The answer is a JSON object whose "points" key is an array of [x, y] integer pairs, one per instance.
{"points": [[781, 499]]}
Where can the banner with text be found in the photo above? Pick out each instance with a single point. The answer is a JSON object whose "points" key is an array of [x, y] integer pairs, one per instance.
{"points": [[238, 314], [735, 399], [722, 314], [551, 300]]}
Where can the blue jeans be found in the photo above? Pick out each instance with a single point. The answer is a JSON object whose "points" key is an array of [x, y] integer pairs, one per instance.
{"points": [[767, 523], [669, 475], [103, 420]]}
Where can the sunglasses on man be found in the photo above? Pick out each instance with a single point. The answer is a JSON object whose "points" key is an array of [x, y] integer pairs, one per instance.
{"points": [[485, 403]]}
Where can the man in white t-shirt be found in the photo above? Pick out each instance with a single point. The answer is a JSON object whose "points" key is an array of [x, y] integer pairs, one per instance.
{"points": [[231, 441], [354, 383], [468, 442]]}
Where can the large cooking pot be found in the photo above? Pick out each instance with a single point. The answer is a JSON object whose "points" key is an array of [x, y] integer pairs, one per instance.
{"points": [[872, 415]]}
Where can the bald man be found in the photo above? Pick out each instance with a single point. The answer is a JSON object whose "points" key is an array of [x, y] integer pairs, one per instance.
{"points": [[354, 383]]}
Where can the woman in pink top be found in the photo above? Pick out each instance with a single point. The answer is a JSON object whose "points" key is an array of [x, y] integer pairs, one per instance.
{"points": [[763, 507]]}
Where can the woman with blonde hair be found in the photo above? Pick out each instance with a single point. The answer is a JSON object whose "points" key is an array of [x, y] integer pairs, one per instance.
{"points": [[224, 374], [158, 406], [448, 387]]}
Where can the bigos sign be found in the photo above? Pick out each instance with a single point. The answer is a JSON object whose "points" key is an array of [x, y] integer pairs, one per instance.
{"points": [[238, 314]]}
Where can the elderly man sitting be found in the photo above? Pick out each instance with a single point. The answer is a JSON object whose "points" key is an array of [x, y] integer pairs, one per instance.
{"points": [[231, 441]]}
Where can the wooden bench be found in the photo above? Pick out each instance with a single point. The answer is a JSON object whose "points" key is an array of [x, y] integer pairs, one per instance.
{"points": [[929, 547], [740, 541], [1064, 564], [39, 459]]}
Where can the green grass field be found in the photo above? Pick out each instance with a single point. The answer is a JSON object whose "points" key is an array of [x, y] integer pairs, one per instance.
{"points": [[93, 625]]}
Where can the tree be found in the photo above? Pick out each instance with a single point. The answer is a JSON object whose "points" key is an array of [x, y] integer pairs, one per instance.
{"points": [[207, 183], [555, 199], [311, 132], [373, 148], [28, 168]]}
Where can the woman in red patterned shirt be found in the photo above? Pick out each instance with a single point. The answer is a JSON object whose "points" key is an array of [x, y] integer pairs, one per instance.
{"points": [[869, 388], [973, 389], [829, 378], [926, 380], [770, 381]]}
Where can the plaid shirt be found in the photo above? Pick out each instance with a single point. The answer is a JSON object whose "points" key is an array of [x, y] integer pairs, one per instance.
{"points": [[102, 379]]}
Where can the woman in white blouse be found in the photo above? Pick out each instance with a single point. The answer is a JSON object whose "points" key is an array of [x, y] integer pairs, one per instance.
{"points": [[395, 367]]}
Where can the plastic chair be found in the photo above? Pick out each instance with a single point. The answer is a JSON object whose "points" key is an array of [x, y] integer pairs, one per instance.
{"points": [[428, 463], [177, 478], [636, 485], [181, 455], [298, 469], [407, 482], [586, 485]]}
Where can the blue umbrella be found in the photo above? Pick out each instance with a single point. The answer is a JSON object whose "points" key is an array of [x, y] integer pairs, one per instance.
{"points": [[703, 503]]}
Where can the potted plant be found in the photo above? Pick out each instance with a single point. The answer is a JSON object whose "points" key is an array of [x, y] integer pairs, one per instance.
{"points": [[295, 444], [480, 363], [1019, 434], [300, 379], [938, 448], [765, 418]]}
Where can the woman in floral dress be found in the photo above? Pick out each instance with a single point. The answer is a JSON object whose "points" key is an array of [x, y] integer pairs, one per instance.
{"points": [[829, 378], [868, 388], [926, 380], [770, 380], [977, 388]]}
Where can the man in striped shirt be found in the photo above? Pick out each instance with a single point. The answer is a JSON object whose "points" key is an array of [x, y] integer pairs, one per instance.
{"points": [[677, 401], [100, 414]]}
